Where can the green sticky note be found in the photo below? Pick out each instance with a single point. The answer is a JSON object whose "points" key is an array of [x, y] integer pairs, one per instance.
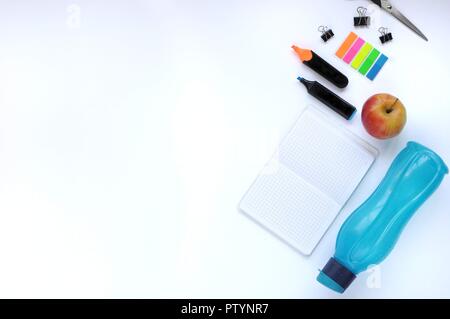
{"points": [[362, 54], [369, 61]]}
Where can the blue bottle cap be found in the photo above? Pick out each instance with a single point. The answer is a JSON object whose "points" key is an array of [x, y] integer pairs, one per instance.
{"points": [[335, 276]]}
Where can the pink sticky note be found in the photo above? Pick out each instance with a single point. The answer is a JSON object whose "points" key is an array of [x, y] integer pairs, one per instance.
{"points": [[354, 50]]}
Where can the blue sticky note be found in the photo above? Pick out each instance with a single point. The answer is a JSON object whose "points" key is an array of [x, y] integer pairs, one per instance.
{"points": [[377, 67]]}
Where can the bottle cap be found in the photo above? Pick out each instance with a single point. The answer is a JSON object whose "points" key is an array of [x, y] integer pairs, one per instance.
{"points": [[336, 276]]}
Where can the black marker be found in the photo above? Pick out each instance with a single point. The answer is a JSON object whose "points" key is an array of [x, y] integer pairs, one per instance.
{"points": [[334, 102], [325, 69]]}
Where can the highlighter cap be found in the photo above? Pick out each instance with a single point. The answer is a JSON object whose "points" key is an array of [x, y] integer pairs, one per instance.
{"points": [[303, 54], [335, 276]]}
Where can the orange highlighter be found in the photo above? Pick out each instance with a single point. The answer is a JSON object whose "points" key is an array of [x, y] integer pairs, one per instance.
{"points": [[315, 62]]}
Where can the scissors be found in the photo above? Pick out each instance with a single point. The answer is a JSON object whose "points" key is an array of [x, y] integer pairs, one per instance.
{"points": [[386, 5]]}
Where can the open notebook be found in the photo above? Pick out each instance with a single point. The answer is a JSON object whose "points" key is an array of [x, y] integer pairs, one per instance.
{"points": [[309, 179]]}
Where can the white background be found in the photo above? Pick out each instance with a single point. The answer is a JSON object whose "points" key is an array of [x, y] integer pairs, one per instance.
{"points": [[127, 141]]}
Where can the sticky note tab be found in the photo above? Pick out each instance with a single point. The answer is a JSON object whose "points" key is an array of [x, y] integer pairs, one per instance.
{"points": [[369, 61], [346, 45], [377, 67], [361, 56], [354, 50]]}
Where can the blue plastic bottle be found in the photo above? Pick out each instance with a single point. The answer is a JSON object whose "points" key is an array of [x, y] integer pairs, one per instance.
{"points": [[371, 231]]}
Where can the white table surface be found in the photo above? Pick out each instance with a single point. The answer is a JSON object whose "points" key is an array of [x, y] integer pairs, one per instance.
{"points": [[128, 137]]}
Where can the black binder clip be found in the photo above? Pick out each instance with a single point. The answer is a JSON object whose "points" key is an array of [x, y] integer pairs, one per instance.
{"points": [[327, 34], [385, 36], [362, 20]]}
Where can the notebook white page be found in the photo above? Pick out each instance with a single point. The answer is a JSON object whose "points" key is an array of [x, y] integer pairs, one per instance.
{"points": [[301, 190]]}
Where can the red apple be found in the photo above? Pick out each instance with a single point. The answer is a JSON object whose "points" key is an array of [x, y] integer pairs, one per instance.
{"points": [[383, 116]]}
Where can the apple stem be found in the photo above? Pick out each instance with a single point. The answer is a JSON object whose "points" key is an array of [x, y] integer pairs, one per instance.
{"points": [[390, 109]]}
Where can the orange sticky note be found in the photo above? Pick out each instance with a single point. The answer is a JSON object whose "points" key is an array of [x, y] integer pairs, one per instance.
{"points": [[346, 45]]}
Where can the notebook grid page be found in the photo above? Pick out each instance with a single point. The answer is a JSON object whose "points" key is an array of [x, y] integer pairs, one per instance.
{"points": [[325, 157], [290, 207], [319, 166]]}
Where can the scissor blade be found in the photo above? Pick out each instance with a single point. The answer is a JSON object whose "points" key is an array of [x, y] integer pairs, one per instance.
{"points": [[396, 13]]}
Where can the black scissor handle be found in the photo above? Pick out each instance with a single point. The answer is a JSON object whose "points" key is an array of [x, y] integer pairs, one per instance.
{"points": [[377, 2]]}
